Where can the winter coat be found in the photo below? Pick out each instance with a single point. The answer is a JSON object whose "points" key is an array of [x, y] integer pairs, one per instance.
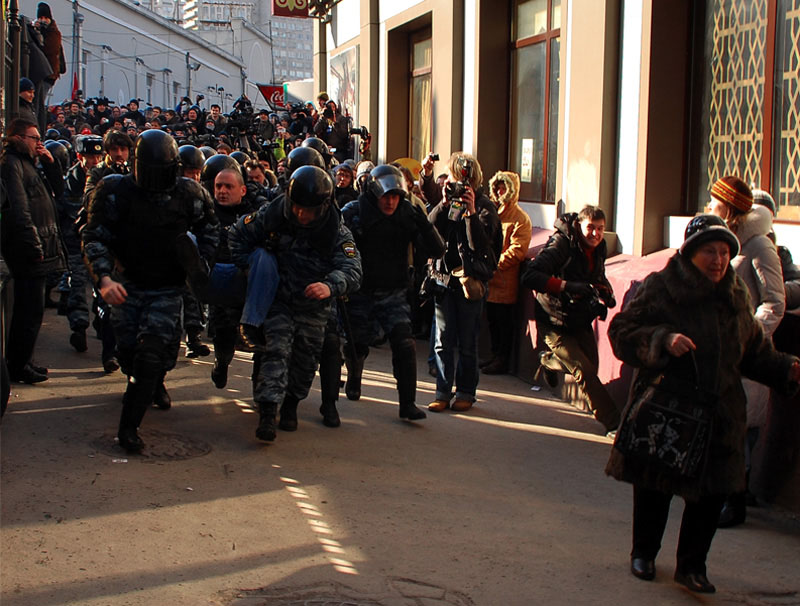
{"points": [[131, 233], [564, 258], [759, 266], [27, 110], [383, 241], [730, 343], [473, 243], [52, 49], [31, 240], [516, 226]]}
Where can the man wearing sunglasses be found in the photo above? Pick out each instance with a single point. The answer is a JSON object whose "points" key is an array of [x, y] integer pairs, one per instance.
{"points": [[31, 242]]}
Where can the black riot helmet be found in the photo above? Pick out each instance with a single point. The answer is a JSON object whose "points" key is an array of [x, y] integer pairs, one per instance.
{"points": [[321, 147], [60, 154], [303, 156], [308, 197], [51, 134], [157, 161], [388, 180], [191, 157], [239, 156], [208, 151], [214, 166]]}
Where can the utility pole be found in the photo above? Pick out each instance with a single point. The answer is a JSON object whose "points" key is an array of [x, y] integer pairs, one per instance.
{"points": [[12, 86], [77, 28]]}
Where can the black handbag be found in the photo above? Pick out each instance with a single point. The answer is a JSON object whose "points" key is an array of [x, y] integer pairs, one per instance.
{"points": [[668, 426]]}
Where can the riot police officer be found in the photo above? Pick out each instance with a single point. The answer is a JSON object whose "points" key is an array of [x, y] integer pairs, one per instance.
{"points": [[317, 261], [130, 245], [384, 224]]}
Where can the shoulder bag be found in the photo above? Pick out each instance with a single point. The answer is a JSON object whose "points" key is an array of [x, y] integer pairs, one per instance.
{"points": [[667, 427]]}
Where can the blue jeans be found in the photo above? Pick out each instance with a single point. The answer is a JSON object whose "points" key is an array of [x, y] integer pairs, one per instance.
{"points": [[228, 286], [457, 321]]}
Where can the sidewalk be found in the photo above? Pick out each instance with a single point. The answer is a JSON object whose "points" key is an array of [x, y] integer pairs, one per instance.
{"points": [[506, 504]]}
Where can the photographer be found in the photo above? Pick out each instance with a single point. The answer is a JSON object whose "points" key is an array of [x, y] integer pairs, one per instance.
{"points": [[468, 222], [333, 128], [569, 278], [133, 113]]}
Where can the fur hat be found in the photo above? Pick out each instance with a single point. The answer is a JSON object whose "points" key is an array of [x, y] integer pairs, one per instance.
{"points": [[733, 192], [43, 10], [764, 199], [706, 228]]}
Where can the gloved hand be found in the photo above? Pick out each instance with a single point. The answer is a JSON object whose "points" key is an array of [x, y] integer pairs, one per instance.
{"points": [[606, 296], [579, 289]]}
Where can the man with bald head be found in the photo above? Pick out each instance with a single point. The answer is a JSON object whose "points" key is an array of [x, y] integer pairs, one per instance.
{"points": [[225, 312]]}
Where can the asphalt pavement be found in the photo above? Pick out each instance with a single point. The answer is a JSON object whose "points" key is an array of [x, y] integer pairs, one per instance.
{"points": [[505, 504]]}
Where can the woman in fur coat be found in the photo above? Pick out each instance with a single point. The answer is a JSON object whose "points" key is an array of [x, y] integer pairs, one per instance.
{"points": [[696, 303]]}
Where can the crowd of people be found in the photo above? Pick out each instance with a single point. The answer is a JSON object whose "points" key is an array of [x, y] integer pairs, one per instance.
{"points": [[157, 227]]}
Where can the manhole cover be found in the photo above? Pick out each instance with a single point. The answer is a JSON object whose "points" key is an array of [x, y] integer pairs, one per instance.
{"points": [[399, 590], [158, 446]]}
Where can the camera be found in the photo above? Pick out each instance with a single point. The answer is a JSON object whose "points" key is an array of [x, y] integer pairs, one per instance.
{"points": [[361, 131], [434, 157]]}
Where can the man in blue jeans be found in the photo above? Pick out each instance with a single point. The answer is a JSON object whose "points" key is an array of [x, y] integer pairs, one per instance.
{"points": [[468, 222]]}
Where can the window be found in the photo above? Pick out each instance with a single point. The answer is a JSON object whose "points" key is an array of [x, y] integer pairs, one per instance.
{"points": [[420, 106], [749, 107], [149, 88], [536, 48], [84, 68]]}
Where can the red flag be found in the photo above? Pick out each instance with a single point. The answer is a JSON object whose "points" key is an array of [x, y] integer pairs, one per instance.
{"points": [[273, 94], [74, 85]]}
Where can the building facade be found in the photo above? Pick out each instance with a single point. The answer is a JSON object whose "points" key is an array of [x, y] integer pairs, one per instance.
{"points": [[635, 106]]}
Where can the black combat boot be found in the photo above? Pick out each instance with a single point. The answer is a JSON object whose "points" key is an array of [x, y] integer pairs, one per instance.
{"points": [[219, 374], [355, 367], [195, 348], [288, 420], [266, 421], [404, 367], [330, 416], [161, 396]]}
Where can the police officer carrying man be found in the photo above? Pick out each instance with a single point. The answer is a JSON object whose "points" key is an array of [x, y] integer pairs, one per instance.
{"points": [[317, 261], [130, 243], [384, 224]]}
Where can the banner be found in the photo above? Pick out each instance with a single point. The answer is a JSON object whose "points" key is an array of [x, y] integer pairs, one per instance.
{"points": [[274, 95], [290, 8]]}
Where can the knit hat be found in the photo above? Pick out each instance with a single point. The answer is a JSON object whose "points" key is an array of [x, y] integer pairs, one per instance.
{"points": [[706, 228], [26, 84], [764, 199], [43, 10], [733, 192]]}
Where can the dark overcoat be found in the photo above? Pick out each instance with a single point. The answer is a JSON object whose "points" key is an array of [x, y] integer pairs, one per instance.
{"points": [[730, 344]]}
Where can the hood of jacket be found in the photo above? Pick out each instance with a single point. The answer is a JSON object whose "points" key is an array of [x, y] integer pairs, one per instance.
{"points": [[757, 222], [510, 198]]}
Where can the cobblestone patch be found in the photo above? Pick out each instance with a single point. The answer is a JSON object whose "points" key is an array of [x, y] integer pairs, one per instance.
{"points": [[159, 446]]}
